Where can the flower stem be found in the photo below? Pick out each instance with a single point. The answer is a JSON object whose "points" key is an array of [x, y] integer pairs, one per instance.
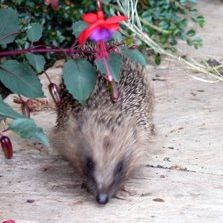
{"points": [[102, 53], [107, 69], [99, 5], [47, 76]]}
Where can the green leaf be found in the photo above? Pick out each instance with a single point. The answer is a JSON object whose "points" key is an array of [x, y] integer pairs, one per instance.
{"points": [[183, 2], [37, 61], [164, 38], [129, 41], [201, 21], [77, 27], [114, 65], [197, 42], [106, 1], [9, 25], [191, 32], [117, 36], [189, 42], [7, 112], [157, 59], [135, 55], [20, 79], [27, 129], [35, 32], [80, 78], [193, 1]]}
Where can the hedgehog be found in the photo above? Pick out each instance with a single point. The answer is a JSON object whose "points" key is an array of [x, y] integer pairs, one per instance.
{"points": [[103, 140]]}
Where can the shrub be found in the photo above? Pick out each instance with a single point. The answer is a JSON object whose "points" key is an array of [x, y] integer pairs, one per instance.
{"points": [[32, 33]]}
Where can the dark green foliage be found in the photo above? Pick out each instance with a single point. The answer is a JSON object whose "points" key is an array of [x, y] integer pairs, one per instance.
{"points": [[80, 78], [57, 25], [114, 65], [9, 25], [7, 112], [170, 20], [170, 17], [77, 27], [27, 129], [20, 78], [34, 25], [34, 33], [37, 61], [134, 54]]}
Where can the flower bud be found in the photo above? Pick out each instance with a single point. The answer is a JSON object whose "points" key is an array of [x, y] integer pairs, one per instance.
{"points": [[54, 91], [6, 146], [115, 92]]}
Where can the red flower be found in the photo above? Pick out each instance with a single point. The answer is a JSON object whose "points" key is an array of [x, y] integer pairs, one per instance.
{"points": [[99, 28]]}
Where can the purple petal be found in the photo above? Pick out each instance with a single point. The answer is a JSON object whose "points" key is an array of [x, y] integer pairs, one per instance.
{"points": [[101, 34]]}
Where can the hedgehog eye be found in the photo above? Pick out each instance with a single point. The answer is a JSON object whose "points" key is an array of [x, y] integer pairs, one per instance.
{"points": [[90, 164], [119, 168]]}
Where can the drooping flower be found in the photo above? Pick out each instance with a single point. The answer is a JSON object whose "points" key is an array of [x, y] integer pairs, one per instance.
{"points": [[6, 145], [99, 29], [54, 91]]}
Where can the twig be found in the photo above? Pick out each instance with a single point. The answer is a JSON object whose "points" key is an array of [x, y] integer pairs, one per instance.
{"points": [[144, 37]]}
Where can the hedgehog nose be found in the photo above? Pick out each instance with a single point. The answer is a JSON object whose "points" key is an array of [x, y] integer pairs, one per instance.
{"points": [[102, 198]]}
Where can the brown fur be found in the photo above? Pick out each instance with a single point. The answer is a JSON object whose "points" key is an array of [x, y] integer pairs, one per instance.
{"points": [[109, 134]]}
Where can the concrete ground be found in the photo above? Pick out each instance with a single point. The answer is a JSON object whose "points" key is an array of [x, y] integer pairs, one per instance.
{"points": [[182, 179]]}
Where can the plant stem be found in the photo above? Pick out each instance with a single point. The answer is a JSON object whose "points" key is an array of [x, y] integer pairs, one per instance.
{"points": [[109, 76], [135, 28], [4, 130], [47, 76], [158, 29], [69, 51], [99, 5]]}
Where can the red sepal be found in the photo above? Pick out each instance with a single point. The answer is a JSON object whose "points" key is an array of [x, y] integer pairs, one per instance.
{"points": [[90, 17]]}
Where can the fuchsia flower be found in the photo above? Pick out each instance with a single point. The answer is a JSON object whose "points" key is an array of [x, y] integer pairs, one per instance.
{"points": [[99, 29]]}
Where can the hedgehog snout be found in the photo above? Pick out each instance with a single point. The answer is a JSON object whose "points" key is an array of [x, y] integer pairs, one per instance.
{"points": [[102, 198]]}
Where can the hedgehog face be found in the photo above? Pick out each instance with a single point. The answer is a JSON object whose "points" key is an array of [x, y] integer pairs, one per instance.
{"points": [[104, 154], [112, 158], [101, 182]]}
